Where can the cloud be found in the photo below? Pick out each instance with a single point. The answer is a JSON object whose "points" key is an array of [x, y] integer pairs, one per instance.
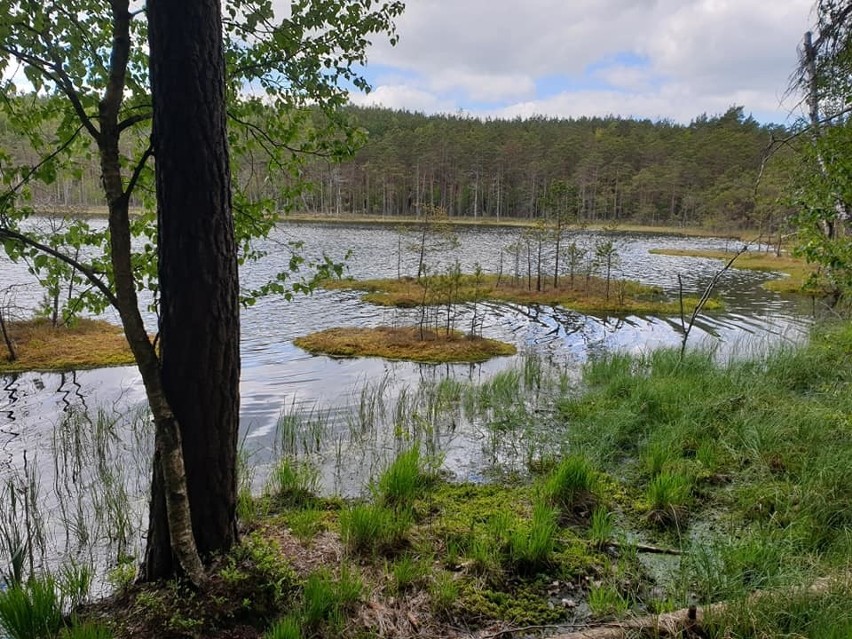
{"points": [[647, 58]]}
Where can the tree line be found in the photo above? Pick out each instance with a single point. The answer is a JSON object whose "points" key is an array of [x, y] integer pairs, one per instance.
{"points": [[712, 171]]}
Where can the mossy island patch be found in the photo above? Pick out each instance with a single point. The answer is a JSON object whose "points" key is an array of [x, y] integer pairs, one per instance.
{"points": [[404, 343], [86, 343], [588, 294], [798, 271]]}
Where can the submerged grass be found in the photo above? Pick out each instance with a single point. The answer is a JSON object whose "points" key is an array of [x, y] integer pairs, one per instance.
{"points": [[85, 344], [740, 472], [590, 294], [404, 343]]}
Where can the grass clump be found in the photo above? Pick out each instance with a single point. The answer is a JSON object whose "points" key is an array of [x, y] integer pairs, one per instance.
{"points": [[325, 599], [86, 631], [407, 572], [405, 480], [531, 545], [86, 343], [404, 343], [32, 610], [293, 484], [572, 486], [289, 627], [601, 528], [606, 601], [668, 496], [374, 529]]}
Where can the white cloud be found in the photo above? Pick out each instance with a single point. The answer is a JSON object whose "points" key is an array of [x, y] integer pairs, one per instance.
{"points": [[654, 58], [401, 96]]}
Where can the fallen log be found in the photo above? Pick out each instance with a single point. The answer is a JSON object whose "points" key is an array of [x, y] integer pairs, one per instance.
{"points": [[688, 619]]}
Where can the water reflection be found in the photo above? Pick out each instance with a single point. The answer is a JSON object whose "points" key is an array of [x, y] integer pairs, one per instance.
{"points": [[85, 438]]}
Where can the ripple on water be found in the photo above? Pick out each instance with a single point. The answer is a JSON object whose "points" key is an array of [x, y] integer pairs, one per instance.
{"points": [[279, 379]]}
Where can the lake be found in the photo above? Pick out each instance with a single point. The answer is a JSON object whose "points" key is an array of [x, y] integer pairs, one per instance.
{"points": [[84, 438]]}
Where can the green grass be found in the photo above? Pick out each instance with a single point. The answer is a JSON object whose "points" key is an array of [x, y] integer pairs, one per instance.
{"points": [[32, 610], [373, 529], [289, 627], [601, 527], [325, 598], [292, 483], [668, 496], [405, 480], [531, 545], [606, 601], [573, 485], [86, 631], [408, 572]]}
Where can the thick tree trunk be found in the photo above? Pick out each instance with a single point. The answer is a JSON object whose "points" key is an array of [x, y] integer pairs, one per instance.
{"points": [[176, 519], [199, 322]]}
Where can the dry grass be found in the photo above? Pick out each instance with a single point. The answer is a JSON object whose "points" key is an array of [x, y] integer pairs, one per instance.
{"points": [[403, 343], [797, 270], [586, 294], [87, 344]]}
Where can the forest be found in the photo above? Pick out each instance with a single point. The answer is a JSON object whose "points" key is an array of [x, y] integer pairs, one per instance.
{"points": [[601, 170]]}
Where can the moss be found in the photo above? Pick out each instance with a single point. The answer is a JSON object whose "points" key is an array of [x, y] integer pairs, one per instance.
{"points": [[86, 344], [403, 343], [527, 605], [591, 295], [797, 272]]}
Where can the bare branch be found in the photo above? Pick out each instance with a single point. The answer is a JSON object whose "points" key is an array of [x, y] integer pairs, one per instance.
{"points": [[137, 171], [133, 119]]}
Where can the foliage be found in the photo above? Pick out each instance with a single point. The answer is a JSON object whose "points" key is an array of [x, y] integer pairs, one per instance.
{"points": [[823, 189], [287, 81]]}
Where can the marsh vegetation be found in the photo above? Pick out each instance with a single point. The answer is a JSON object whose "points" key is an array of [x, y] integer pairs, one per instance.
{"points": [[739, 470]]}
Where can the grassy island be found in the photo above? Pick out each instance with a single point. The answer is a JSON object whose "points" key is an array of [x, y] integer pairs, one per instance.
{"points": [[797, 271], [585, 294], [406, 343], [86, 344]]}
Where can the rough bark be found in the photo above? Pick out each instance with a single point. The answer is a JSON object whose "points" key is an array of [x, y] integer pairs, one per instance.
{"points": [[199, 303], [168, 460]]}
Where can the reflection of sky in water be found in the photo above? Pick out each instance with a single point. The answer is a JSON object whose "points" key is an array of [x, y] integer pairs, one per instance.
{"points": [[276, 374]]}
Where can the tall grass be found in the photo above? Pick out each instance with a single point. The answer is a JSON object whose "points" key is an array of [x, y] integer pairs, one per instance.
{"points": [[372, 528], [404, 480], [573, 485], [32, 610]]}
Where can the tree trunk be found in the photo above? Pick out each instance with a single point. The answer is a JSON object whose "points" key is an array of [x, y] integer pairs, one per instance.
{"points": [[10, 345], [199, 307], [176, 517]]}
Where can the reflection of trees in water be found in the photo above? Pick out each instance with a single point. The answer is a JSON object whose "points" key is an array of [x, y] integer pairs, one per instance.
{"points": [[68, 395], [10, 390]]}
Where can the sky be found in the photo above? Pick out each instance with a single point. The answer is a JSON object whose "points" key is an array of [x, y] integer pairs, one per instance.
{"points": [[657, 59]]}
